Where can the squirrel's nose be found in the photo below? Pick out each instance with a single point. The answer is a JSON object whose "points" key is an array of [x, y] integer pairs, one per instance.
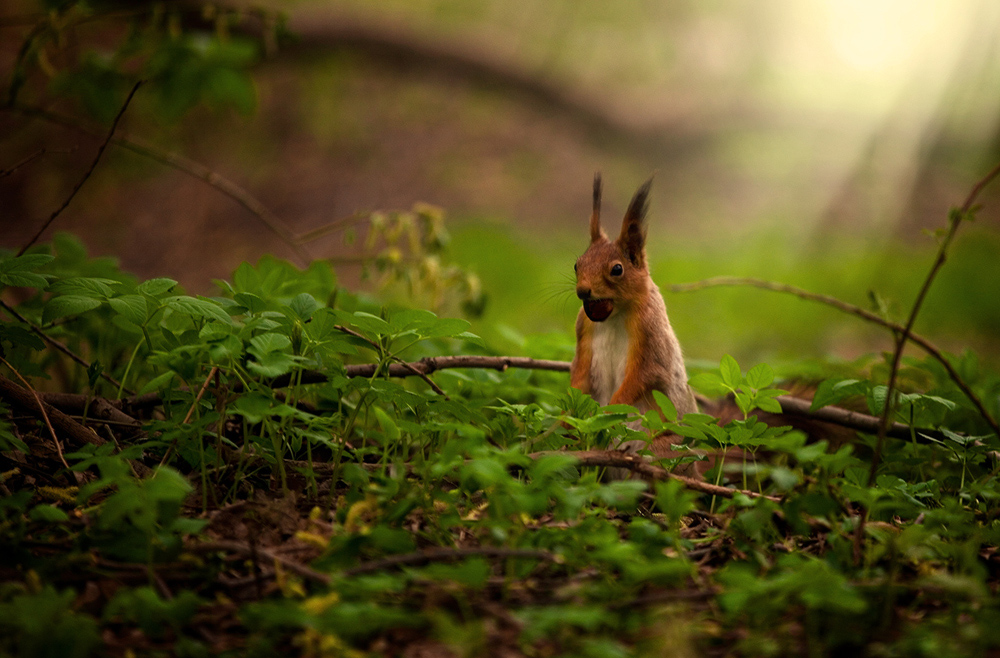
{"points": [[583, 293]]}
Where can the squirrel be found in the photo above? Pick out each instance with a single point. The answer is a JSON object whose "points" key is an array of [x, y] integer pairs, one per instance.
{"points": [[625, 346]]}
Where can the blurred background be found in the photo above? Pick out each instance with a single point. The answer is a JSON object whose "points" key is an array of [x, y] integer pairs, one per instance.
{"points": [[814, 143]]}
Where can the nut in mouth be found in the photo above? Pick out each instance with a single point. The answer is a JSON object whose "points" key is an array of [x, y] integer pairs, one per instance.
{"points": [[598, 310]]}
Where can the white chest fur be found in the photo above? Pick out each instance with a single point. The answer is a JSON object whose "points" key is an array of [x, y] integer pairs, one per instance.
{"points": [[610, 353]]}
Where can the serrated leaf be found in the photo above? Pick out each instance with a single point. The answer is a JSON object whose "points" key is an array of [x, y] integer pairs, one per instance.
{"points": [[195, 307], [304, 305], [760, 376], [269, 342], [832, 391], [131, 307], [156, 287], [83, 287], [251, 302], [769, 405], [66, 305], [730, 371]]}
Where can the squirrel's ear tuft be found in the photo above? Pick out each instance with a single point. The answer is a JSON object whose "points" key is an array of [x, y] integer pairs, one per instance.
{"points": [[633, 235], [596, 232]]}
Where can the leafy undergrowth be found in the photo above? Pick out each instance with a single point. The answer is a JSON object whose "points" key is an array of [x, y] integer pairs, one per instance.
{"points": [[230, 479]]}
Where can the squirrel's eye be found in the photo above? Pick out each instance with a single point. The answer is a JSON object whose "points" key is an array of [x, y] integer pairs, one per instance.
{"points": [[576, 267], [616, 270]]}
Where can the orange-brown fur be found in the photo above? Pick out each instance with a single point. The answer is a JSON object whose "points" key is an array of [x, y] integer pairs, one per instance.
{"points": [[637, 331]]}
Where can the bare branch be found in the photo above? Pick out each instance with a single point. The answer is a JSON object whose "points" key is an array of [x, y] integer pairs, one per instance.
{"points": [[87, 174], [955, 221], [897, 329], [189, 167], [59, 346]]}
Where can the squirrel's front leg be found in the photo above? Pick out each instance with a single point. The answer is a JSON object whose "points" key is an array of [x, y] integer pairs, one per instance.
{"points": [[579, 376]]}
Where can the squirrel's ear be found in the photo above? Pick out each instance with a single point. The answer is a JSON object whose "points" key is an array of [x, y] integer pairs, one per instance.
{"points": [[633, 235], [596, 232]]}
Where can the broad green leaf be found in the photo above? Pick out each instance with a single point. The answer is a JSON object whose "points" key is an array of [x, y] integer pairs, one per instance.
{"points": [[760, 376], [832, 391], [160, 382], [708, 383], [304, 305], [83, 287], [131, 307], [666, 406], [251, 302], [156, 287], [270, 342], [730, 371], [66, 305], [195, 307], [17, 271], [388, 426]]}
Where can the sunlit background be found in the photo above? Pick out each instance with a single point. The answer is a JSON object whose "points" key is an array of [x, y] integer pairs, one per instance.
{"points": [[806, 142]]}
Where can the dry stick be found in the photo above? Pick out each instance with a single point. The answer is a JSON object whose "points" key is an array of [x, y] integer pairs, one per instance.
{"points": [[41, 408], [23, 399], [434, 554], [62, 348], [86, 175], [955, 220], [191, 168], [617, 459], [897, 329]]}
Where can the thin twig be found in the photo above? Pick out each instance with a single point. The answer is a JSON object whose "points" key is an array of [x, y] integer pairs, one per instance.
{"points": [[189, 167], [956, 220], [896, 328], [40, 152], [638, 464], [41, 408], [86, 175], [437, 554], [61, 347]]}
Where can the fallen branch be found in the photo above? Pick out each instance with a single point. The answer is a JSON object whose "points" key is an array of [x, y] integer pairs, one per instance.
{"points": [[838, 304], [23, 399], [638, 464]]}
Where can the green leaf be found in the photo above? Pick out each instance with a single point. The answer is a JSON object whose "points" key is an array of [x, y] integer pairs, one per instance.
{"points": [[195, 307], [666, 406], [730, 370], [160, 382], [17, 271], [60, 307], [832, 391], [760, 376], [389, 427], [270, 342], [708, 383], [156, 287], [303, 305], [48, 513], [83, 287], [131, 307]]}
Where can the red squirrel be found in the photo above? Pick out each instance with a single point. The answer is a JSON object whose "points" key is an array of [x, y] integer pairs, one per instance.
{"points": [[625, 346]]}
